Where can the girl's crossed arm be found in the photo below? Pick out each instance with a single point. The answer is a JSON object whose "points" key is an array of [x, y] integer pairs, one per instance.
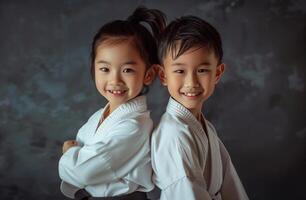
{"points": [[107, 160]]}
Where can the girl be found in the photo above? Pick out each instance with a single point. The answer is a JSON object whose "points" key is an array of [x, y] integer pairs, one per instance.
{"points": [[110, 158]]}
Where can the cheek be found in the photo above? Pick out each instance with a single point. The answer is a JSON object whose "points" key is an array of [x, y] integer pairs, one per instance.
{"points": [[97, 81], [176, 80], [99, 84], [207, 80], [136, 82], [174, 83]]}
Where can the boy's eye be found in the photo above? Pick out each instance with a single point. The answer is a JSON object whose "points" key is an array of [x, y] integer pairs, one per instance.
{"points": [[104, 69], [179, 71], [128, 70], [203, 70]]}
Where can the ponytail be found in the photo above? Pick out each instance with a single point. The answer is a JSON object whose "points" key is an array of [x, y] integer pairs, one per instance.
{"points": [[153, 17], [145, 40]]}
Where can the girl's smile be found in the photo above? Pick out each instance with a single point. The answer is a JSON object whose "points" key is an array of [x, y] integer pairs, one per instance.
{"points": [[120, 71], [117, 92]]}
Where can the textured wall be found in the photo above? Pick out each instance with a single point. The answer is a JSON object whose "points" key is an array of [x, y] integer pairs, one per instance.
{"points": [[258, 109]]}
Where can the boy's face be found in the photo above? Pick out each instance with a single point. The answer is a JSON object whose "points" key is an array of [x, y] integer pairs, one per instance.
{"points": [[191, 78]]}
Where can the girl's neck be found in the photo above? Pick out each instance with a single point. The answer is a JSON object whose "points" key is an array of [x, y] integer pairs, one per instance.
{"points": [[106, 113], [103, 117], [111, 108]]}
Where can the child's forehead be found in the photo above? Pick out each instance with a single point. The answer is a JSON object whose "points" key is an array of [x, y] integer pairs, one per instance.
{"points": [[110, 41], [200, 51]]}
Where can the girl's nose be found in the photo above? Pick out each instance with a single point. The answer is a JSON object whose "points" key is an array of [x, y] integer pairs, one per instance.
{"points": [[115, 77]]}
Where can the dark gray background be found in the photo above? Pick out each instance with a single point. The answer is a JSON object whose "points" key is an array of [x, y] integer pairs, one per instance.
{"points": [[46, 92]]}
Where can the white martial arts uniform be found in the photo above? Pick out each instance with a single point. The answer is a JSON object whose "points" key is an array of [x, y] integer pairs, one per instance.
{"points": [[114, 158], [190, 164]]}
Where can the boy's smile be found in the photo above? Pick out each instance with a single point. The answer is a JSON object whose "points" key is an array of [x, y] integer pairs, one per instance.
{"points": [[191, 93], [191, 78]]}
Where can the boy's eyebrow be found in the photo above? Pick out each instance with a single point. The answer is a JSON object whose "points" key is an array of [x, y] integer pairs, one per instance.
{"points": [[206, 63], [178, 64]]}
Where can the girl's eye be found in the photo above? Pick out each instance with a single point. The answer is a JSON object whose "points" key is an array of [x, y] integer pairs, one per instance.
{"points": [[203, 70], [104, 69], [179, 71], [128, 70]]}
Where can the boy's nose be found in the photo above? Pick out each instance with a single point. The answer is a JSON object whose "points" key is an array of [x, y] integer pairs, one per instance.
{"points": [[191, 80]]}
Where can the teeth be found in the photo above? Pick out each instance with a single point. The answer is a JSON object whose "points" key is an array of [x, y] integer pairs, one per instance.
{"points": [[191, 94], [117, 91]]}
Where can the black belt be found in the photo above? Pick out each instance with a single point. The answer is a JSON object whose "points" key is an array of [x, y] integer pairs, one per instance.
{"points": [[84, 195]]}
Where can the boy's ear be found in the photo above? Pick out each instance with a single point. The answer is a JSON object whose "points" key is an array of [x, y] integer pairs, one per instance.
{"points": [[219, 72], [160, 70], [149, 76]]}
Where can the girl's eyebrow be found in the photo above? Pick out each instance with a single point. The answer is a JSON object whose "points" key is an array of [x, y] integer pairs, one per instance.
{"points": [[130, 63], [103, 62], [125, 63]]}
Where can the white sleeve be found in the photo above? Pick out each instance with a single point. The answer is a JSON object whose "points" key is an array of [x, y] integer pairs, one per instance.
{"points": [[107, 160], [83, 130], [232, 188], [185, 188], [177, 169], [80, 139]]}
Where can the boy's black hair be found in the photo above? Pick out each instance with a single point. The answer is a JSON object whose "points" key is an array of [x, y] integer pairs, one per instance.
{"points": [[145, 41], [187, 32]]}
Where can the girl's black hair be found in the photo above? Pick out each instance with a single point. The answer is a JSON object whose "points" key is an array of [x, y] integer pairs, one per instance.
{"points": [[145, 39], [187, 32]]}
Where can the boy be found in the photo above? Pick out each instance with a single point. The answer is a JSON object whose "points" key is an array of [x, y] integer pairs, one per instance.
{"points": [[188, 159]]}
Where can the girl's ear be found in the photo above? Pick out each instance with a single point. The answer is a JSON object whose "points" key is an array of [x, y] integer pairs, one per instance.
{"points": [[219, 72], [160, 70], [150, 75]]}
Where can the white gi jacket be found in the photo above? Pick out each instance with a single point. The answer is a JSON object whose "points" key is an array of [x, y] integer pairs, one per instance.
{"points": [[187, 164], [113, 159]]}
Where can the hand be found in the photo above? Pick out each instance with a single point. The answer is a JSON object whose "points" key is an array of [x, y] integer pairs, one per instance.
{"points": [[68, 144]]}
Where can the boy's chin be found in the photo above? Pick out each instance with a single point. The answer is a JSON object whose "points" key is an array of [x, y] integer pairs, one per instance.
{"points": [[192, 106]]}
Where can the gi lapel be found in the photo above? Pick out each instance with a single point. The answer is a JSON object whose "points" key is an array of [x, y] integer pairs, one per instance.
{"points": [[216, 178]]}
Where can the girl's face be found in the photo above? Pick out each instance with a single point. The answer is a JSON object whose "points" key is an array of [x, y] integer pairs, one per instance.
{"points": [[120, 72]]}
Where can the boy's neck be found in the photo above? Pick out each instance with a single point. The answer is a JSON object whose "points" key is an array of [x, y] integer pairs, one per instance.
{"points": [[199, 116], [196, 113]]}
